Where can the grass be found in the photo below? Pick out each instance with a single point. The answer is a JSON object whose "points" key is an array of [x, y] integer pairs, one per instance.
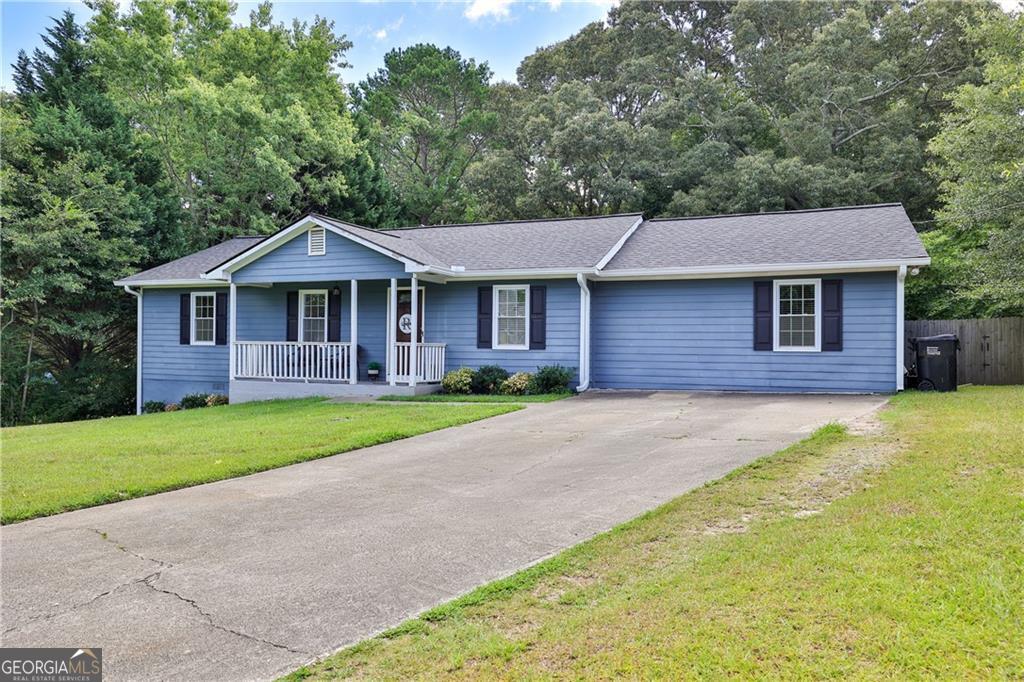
{"points": [[473, 398], [53, 468], [894, 554]]}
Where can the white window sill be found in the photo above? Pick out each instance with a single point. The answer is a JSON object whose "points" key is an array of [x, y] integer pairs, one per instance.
{"points": [[796, 349], [525, 347]]}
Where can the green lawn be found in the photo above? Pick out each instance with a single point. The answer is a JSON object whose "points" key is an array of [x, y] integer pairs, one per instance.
{"points": [[897, 554], [462, 398], [53, 468]]}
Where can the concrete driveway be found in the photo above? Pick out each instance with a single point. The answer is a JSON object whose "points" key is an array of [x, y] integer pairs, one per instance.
{"points": [[252, 577]]}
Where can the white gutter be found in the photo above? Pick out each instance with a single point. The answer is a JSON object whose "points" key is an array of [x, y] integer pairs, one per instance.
{"points": [[584, 370], [138, 346], [901, 276], [760, 269]]}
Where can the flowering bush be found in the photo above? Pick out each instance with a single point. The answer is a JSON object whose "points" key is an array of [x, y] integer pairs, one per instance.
{"points": [[216, 399], [171, 407], [458, 380], [517, 384]]}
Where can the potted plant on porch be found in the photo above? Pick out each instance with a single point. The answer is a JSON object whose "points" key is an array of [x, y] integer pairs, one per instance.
{"points": [[373, 370]]}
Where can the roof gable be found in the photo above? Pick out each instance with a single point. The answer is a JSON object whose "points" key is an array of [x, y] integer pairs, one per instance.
{"points": [[343, 258]]}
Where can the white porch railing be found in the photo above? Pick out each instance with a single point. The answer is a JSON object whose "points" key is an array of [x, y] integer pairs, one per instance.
{"points": [[291, 360], [429, 365]]}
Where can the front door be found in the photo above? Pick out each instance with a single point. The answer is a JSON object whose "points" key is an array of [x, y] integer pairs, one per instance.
{"points": [[404, 317]]}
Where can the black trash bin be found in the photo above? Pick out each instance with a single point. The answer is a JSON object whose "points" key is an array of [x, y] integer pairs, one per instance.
{"points": [[936, 362]]}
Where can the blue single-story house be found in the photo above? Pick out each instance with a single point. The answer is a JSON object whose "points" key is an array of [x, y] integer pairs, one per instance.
{"points": [[800, 301]]}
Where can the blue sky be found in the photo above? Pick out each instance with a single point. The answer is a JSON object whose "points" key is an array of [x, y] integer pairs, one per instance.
{"points": [[500, 32]]}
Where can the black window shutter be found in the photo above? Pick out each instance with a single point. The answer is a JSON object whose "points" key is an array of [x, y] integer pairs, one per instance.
{"points": [[538, 316], [221, 320], [763, 316], [832, 314], [484, 305], [185, 320], [292, 332], [333, 316]]}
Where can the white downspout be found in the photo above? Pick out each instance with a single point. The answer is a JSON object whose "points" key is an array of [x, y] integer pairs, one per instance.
{"points": [[584, 333], [138, 346], [901, 276]]}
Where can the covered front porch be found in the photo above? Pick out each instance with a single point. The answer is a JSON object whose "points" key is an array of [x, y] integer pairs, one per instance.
{"points": [[339, 338]]}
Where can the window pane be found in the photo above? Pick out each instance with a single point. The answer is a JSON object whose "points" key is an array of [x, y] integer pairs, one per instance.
{"points": [[204, 329], [511, 331], [313, 330], [314, 305]]}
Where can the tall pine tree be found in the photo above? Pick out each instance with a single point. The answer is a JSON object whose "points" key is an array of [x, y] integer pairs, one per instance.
{"points": [[83, 204]]}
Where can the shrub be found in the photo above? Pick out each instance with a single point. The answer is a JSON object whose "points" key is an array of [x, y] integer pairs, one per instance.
{"points": [[551, 379], [458, 380], [216, 399], [488, 379], [517, 384], [152, 406], [193, 400], [171, 407]]}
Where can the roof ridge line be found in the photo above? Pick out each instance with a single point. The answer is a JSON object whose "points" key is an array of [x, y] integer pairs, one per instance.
{"points": [[763, 213], [509, 222]]}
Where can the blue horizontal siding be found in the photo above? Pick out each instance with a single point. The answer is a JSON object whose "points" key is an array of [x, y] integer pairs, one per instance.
{"points": [[451, 318], [171, 370], [698, 335], [343, 259]]}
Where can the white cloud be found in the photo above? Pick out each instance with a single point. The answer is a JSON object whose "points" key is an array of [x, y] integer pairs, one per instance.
{"points": [[382, 33], [479, 9], [554, 5]]}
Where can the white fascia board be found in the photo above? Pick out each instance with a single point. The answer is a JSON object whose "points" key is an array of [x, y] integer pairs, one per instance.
{"points": [[267, 245], [619, 244], [534, 273], [171, 283], [759, 270]]}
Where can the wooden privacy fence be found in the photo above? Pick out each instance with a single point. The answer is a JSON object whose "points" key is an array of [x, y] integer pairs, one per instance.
{"points": [[991, 351]]}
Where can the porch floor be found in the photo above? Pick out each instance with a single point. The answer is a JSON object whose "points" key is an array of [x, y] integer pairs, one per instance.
{"points": [[248, 390]]}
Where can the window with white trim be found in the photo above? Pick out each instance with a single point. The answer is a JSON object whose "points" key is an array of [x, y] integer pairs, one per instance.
{"points": [[797, 308], [204, 315], [511, 317], [313, 316], [317, 238]]}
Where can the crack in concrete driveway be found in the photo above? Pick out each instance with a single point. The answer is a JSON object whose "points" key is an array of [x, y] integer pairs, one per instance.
{"points": [[261, 574]]}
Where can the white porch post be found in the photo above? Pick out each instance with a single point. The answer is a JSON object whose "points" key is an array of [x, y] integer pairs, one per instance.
{"points": [[414, 336], [392, 336], [232, 307], [353, 348]]}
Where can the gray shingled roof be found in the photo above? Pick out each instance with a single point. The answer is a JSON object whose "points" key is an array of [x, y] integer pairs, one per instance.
{"points": [[194, 264], [563, 243], [857, 233]]}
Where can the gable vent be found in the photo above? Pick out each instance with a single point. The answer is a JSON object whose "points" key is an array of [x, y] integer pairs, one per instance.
{"points": [[317, 242]]}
